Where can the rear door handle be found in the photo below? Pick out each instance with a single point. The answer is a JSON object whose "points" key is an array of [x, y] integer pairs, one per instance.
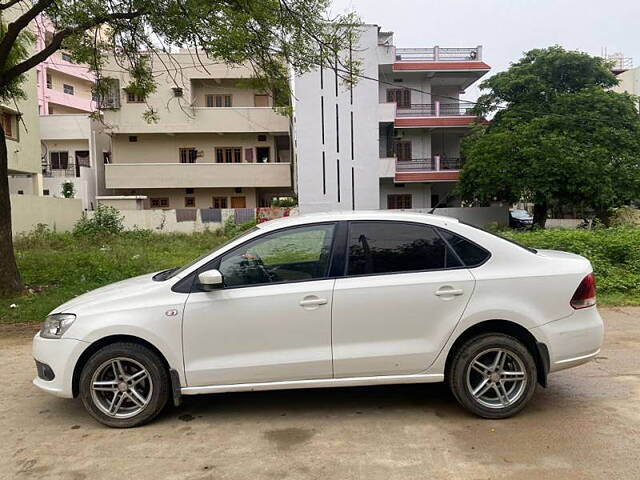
{"points": [[446, 292], [313, 301]]}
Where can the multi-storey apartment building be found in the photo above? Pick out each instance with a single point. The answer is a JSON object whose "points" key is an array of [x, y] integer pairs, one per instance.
{"points": [[393, 139], [215, 144]]}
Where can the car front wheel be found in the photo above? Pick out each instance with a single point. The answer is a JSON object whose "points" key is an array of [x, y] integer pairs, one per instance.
{"points": [[124, 385], [493, 375]]}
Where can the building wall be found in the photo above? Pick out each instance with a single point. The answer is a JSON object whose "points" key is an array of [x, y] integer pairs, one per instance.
{"points": [[330, 174], [241, 97], [28, 211], [203, 196]]}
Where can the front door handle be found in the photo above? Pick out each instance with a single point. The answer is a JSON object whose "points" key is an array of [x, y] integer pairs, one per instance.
{"points": [[313, 301], [449, 292]]}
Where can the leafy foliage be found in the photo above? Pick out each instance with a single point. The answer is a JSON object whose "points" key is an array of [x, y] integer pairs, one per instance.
{"points": [[557, 138], [105, 220], [68, 189]]}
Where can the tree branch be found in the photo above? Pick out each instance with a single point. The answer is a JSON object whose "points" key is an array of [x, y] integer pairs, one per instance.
{"points": [[57, 40], [19, 24], [9, 4]]}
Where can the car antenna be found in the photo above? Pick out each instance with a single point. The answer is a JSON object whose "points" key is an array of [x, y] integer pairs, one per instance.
{"points": [[446, 197]]}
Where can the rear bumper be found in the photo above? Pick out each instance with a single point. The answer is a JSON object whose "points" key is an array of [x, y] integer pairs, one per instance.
{"points": [[61, 356], [572, 340]]}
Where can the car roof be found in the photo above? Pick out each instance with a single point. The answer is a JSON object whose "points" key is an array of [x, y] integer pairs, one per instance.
{"points": [[393, 215]]}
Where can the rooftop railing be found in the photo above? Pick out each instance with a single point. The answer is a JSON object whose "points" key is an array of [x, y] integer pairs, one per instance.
{"points": [[439, 54]]}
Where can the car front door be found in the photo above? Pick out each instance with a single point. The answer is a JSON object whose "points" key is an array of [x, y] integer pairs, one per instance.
{"points": [[403, 293], [271, 319]]}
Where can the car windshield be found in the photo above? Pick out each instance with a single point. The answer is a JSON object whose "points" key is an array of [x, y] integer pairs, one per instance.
{"points": [[172, 272], [523, 214]]}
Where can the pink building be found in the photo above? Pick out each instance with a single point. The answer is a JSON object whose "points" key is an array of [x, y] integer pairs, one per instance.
{"points": [[63, 86]]}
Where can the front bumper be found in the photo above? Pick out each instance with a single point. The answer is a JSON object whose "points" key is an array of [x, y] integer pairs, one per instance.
{"points": [[61, 355], [572, 340]]}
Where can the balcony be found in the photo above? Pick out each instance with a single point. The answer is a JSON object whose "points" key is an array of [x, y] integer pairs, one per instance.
{"points": [[438, 114], [129, 119], [56, 97], [440, 59], [197, 175], [65, 127], [428, 169]]}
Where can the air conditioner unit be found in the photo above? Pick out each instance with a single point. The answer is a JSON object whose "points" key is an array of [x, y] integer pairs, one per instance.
{"points": [[177, 91]]}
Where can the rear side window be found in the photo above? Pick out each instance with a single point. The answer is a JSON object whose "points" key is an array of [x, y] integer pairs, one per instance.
{"points": [[388, 247], [471, 254]]}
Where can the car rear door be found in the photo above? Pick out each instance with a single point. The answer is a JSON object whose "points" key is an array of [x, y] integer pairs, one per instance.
{"points": [[402, 295]]}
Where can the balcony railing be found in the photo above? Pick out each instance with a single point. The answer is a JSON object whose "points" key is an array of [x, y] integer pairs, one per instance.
{"points": [[439, 54], [434, 164], [437, 109]]}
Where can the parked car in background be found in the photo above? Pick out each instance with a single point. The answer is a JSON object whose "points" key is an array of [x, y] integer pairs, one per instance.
{"points": [[520, 219], [328, 300]]}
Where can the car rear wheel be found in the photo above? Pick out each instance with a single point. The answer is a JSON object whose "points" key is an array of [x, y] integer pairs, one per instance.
{"points": [[493, 375], [124, 385]]}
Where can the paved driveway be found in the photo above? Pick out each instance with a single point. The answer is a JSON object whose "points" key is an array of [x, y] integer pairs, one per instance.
{"points": [[585, 425]]}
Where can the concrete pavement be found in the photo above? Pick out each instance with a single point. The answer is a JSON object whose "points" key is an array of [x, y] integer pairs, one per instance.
{"points": [[586, 425]]}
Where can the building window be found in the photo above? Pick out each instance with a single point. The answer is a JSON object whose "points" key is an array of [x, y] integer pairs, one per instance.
{"points": [[68, 89], [401, 96], [219, 101], [67, 58], [403, 150], [133, 138], [20, 192], [188, 191], [49, 81], [189, 202], [395, 202], [59, 160], [219, 202], [82, 158], [262, 138], [134, 98], [45, 192], [10, 125], [159, 202], [188, 155], [229, 155]]}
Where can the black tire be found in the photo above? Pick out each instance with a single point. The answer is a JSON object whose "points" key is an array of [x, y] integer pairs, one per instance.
{"points": [[156, 385], [462, 378]]}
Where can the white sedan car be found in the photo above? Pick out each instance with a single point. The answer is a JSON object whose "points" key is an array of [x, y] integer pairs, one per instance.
{"points": [[328, 300]]}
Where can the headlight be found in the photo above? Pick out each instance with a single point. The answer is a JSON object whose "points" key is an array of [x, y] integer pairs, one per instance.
{"points": [[55, 325]]}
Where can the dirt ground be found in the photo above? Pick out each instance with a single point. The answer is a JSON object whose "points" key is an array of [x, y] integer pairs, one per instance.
{"points": [[586, 425]]}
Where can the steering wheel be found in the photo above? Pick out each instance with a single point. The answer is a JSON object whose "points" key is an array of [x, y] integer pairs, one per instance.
{"points": [[259, 265]]}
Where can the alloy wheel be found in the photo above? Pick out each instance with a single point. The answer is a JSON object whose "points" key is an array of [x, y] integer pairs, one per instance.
{"points": [[496, 378], [121, 387]]}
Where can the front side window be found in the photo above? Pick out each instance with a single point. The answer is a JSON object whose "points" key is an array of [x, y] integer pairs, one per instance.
{"points": [[291, 255], [388, 247], [68, 89]]}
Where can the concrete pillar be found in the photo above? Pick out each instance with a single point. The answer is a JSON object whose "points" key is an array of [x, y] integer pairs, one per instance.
{"points": [[37, 184]]}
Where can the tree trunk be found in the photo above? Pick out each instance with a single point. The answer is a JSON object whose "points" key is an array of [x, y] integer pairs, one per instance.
{"points": [[10, 281], [540, 214]]}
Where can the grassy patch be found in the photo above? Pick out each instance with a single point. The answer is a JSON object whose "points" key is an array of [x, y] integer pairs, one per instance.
{"points": [[58, 267]]}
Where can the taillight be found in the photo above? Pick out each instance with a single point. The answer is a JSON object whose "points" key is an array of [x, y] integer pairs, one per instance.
{"points": [[585, 295]]}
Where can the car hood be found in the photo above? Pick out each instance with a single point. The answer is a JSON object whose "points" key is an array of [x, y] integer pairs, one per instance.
{"points": [[109, 293]]}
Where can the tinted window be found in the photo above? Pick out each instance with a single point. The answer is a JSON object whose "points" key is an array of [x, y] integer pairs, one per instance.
{"points": [[289, 255], [384, 247], [470, 253]]}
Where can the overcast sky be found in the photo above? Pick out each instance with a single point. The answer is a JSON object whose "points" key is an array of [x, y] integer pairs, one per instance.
{"points": [[506, 28]]}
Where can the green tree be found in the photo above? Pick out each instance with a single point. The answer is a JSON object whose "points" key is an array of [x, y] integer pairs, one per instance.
{"points": [[268, 34], [558, 137]]}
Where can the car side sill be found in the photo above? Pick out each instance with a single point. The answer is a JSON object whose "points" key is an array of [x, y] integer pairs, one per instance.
{"points": [[321, 383]]}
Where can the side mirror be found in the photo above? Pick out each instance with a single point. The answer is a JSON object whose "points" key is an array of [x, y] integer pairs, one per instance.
{"points": [[210, 280]]}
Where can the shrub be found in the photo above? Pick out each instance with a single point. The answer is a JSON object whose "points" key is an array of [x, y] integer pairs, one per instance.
{"points": [[105, 220], [68, 189], [232, 229]]}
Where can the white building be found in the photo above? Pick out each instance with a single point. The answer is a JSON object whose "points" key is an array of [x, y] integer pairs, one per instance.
{"points": [[391, 141]]}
